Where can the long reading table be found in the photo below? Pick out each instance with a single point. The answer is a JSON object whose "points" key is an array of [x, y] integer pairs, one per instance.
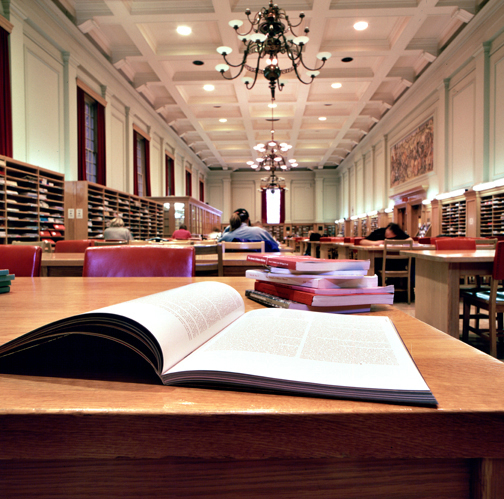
{"points": [[94, 437]]}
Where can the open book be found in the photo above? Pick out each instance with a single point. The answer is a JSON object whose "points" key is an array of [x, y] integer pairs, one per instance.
{"points": [[199, 335]]}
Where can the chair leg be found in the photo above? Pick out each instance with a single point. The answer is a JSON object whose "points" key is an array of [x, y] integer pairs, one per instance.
{"points": [[465, 321], [492, 320]]}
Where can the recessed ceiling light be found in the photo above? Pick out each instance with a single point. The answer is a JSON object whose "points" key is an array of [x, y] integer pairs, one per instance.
{"points": [[208, 88], [322, 118], [198, 63], [184, 30], [223, 120], [272, 104], [336, 85], [361, 25], [347, 59]]}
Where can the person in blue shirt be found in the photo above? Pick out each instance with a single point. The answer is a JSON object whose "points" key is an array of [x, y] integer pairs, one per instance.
{"points": [[241, 230]]}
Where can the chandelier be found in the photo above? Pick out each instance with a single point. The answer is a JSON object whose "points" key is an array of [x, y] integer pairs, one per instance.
{"points": [[272, 159], [270, 34]]}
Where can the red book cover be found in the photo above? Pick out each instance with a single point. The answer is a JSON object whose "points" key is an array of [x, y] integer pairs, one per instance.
{"points": [[308, 263], [284, 292]]}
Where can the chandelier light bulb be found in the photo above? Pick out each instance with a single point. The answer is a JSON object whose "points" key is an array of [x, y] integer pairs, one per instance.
{"points": [[301, 40], [272, 144], [278, 159], [236, 24], [222, 68], [292, 160], [224, 50], [323, 56]]}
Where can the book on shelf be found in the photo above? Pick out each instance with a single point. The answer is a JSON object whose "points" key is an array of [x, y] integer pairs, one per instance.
{"points": [[318, 300], [307, 263], [199, 335], [322, 281]]}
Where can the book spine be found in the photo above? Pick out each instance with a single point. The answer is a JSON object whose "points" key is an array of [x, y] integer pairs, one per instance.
{"points": [[284, 292], [265, 299], [258, 258]]}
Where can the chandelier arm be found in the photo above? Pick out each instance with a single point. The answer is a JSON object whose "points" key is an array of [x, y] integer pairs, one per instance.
{"points": [[256, 72], [312, 69], [301, 18], [301, 79]]}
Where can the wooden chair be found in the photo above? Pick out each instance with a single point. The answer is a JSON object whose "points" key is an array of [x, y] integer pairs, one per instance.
{"points": [[394, 256], [45, 245], [492, 300], [110, 242], [23, 260], [139, 261], [243, 246], [204, 266], [73, 246]]}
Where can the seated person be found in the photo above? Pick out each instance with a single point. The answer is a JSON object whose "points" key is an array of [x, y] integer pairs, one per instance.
{"points": [[239, 229], [116, 230], [391, 231], [181, 233], [313, 236]]}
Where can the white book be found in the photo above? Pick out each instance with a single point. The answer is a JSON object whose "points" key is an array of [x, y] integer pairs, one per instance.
{"points": [[199, 335], [316, 281]]}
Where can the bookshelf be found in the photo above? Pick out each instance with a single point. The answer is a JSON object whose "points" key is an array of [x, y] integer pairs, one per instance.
{"points": [[199, 217], [492, 215], [31, 202], [277, 231], [89, 207], [453, 218]]}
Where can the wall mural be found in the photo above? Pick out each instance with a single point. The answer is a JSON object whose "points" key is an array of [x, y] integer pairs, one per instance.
{"points": [[413, 155]]}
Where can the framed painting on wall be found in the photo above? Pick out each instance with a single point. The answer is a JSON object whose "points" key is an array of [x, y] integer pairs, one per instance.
{"points": [[413, 155]]}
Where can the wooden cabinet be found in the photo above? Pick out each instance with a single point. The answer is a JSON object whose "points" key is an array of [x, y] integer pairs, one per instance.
{"points": [[31, 202], [199, 217], [453, 218], [89, 208]]}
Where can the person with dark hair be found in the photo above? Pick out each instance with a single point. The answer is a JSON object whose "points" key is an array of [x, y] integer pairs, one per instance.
{"points": [[391, 231], [241, 230], [181, 233]]}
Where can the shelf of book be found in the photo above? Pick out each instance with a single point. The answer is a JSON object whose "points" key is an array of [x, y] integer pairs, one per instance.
{"points": [[92, 206], [453, 218], [31, 202], [199, 217], [492, 215]]}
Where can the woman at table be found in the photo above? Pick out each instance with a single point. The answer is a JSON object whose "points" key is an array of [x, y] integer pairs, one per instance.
{"points": [[182, 233], [117, 230], [391, 231], [240, 230]]}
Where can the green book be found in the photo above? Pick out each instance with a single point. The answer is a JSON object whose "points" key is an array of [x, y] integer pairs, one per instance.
{"points": [[4, 271], [5, 279], [4, 289]]}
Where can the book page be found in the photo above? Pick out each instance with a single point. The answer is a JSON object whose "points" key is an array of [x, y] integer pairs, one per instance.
{"points": [[184, 318], [352, 351]]}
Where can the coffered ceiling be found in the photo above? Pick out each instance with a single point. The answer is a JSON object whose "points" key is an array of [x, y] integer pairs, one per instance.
{"points": [[169, 70]]}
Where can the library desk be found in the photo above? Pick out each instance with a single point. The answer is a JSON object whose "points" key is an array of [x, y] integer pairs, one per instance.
{"points": [[437, 283], [70, 264], [372, 252], [97, 437]]}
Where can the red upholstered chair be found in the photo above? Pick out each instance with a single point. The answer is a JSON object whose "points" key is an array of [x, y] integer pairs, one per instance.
{"points": [[23, 261], [456, 243], [70, 246], [139, 261], [490, 299]]}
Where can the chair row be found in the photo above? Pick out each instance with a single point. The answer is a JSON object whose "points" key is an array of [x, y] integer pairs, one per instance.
{"points": [[121, 261]]}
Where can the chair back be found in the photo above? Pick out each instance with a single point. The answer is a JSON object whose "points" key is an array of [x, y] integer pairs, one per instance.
{"points": [[23, 260], [45, 245], [109, 242], [498, 265], [243, 246], [73, 246], [207, 249], [455, 243], [485, 243], [139, 261]]}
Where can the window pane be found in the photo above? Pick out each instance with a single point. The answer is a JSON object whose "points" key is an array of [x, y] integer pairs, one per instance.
{"points": [[273, 206], [90, 115]]}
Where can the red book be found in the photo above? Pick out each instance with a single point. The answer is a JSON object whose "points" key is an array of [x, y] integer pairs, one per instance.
{"points": [[308, 263], [323, 300]]}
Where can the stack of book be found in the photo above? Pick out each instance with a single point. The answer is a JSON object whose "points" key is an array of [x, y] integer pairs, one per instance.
{"points": [[5, 281], [307, 283]]}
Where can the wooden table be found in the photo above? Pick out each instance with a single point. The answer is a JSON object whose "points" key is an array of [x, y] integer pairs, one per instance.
{"points": [[70, 264], [437, 283], [63, 437]]}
